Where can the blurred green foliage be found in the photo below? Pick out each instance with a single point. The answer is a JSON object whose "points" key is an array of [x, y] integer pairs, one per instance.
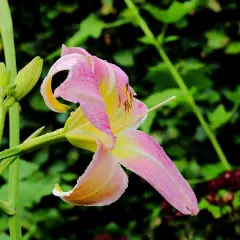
{"points": [[203, 41]]}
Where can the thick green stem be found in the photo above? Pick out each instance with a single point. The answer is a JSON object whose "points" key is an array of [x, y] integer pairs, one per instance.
{"points": [[9, 155], [10, 58], [179, 80]]}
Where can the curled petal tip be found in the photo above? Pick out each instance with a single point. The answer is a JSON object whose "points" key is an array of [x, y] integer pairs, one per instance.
{"points": [[194, 211], [57, 191], [58, 188]]}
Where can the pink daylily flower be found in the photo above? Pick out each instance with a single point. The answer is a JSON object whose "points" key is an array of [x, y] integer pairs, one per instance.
{"points": [[106, 124]]}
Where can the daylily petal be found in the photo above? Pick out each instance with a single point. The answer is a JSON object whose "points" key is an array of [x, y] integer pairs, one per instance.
{"points": [[110, 75], [81, 86], [81, 133], [121, 119], [103, 182], [141, 154], [64, 63], [104, 72], [71, 50], [122, 82]]}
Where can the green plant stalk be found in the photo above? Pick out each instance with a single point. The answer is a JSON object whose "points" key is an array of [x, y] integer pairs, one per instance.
{"points": [[179, 80], [10, 58], [2, 117], [9, 155]]}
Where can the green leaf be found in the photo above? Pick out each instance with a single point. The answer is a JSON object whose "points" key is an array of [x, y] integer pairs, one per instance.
{"points": [[146, 40], [4, 236], [38, 104], [212, 170], [176, 151], [32, 191], [62, 117], [68, 177], [194, 74], [200, 134], [216, 39], [214, 210], [42, 214], [41, 156], [65, 8], [191, 169], [219, 117], [124, 58], [190, 64], [27, 169], [3, 223], [107, 7], [172, 38], [156, 98], [214, 5], [174, 13], [91, 26], [233, 48], [209, 95], [234, 96], [197, 78], [181, 164], [128, 14], [236, 200], [160, 76]]}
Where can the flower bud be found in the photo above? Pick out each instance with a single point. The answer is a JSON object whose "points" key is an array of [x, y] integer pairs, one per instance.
{"points": [[27, 78], [4, 75]]}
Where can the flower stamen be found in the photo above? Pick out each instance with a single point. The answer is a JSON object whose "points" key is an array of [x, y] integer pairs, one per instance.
{"points": [[161, 104]]}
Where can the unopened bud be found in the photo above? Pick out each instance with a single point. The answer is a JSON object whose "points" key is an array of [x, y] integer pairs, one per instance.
{"points": [[4, 75], [27, 78]]}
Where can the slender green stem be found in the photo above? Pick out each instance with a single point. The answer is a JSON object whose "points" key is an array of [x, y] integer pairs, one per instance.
{"points": [[9, 155], [2, 117], [179, 80], [116, 23], [10, 58]]}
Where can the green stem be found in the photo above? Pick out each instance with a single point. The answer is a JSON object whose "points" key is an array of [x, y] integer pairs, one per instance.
{"points": [[2, 117], [30, 145], [179, 80], [10, 58], [116, 23]]}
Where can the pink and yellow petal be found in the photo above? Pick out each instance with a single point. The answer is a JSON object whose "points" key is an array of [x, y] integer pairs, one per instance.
{"points": [[70, 50], [122, 82], [104, 72], [82, 133], [50, 100], [142, 155], [81, 86], [64, 63], [103, 182], [133, 118]]}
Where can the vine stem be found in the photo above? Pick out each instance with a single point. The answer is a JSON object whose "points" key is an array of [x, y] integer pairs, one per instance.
{"points": [[179, 80], [14, 135]]}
